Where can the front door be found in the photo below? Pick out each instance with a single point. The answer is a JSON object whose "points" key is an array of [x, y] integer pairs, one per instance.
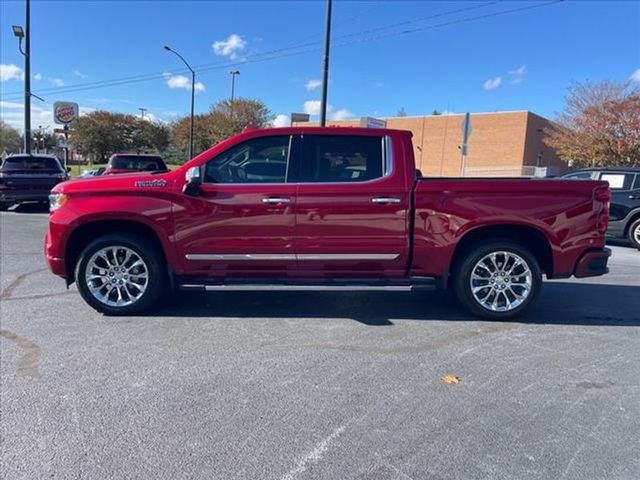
{"points": [[352, 207], [242, 223]]}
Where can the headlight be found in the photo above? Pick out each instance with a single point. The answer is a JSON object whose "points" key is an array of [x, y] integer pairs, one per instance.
{"points": [[56, 200]]}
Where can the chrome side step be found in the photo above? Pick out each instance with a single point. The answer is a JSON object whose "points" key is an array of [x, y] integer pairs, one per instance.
{"points": [[329, 286]]}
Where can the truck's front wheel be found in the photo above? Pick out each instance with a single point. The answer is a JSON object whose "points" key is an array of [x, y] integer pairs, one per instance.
{"points": [[120, 274], [497, 280]]}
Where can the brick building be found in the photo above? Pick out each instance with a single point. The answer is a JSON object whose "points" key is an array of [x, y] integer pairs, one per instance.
{"points": [[501, 144]]}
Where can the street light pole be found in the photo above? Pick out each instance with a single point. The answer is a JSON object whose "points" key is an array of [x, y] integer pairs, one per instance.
{"points": [[20, 33], [325, 67], [233, 74], [193, 93]]}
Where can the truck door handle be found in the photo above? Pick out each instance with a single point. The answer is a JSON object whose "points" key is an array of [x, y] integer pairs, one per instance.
{"points": [[384, 200], [275, 200], [634, 197]]}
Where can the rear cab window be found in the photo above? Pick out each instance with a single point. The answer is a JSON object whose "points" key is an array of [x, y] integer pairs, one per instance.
{"points": [[137, 163], [341, 158]]}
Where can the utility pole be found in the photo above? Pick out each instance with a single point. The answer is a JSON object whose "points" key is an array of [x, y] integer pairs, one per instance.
{"points": [[325, 67], [142, 110]]}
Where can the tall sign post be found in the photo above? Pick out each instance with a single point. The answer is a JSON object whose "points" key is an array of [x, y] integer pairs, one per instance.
{"points": [[464, 148], [65, 113]]}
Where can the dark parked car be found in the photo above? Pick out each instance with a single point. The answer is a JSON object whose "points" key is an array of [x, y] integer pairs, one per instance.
{"points": [[624, 221], [133, 162], [28, 178]]}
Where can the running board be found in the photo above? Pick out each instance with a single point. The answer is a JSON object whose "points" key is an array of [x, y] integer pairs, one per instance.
{"points": [[421, 283]]}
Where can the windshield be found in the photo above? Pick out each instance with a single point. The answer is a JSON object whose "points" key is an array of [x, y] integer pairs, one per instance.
{"points": [[137, 163], [31, 163]]}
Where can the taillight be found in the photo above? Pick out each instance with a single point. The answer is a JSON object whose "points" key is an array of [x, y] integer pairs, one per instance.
{"points": [[602, 195]]}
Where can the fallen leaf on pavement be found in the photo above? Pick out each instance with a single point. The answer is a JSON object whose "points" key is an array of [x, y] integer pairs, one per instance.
{"points": [[450, 379]]}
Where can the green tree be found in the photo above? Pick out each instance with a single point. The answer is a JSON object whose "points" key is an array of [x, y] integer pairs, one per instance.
{"points": [[436, 112], [599, 126], [10, 138], [402, 112], [223, 120], [102, 133]]}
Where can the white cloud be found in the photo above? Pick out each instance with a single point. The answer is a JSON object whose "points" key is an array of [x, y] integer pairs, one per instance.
{"points": [[180, 81], [58, 82], [635, 76], [313, 84], [492, 83], [341, 114], [78, 73], [37, 76], [281, 120], [517, 75], [229, 47], [10, 72], [312, 107]]}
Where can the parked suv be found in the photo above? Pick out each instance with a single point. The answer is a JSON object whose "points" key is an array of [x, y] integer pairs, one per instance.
{"points": [[624, 216], [29, 178], [133, 162]]}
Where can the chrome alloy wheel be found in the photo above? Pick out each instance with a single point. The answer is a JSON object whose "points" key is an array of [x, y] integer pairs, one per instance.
{"points": [[636, 234], [117, 276], [501, 281]]}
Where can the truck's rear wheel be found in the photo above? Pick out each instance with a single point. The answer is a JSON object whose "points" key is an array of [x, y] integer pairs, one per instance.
{"points": [[497, 280], [120, 274]]}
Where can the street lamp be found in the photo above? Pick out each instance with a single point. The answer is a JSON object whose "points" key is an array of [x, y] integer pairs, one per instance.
{"points": [[21, 33], [233, 74], [193, 92]]}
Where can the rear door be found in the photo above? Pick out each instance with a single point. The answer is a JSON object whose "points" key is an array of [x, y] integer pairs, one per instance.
{"points": [[242, 223], [352, 207], [623, 195]]}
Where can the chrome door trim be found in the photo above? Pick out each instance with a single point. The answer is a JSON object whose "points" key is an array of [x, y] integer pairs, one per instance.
{"points": [[240, 256], [285, 256], [347, 256]]}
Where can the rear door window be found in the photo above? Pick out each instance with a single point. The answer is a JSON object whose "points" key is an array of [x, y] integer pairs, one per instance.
{"points": [[341, 158], [618, 181]]}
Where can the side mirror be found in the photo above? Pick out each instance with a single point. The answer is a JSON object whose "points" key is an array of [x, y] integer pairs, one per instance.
{"points": [[193, 178]]}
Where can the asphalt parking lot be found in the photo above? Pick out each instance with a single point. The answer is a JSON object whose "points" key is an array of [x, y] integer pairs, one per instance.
{"points": [[315, 386]]}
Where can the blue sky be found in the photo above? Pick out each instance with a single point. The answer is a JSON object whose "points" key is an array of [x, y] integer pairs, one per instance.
{"points": [[522, 60]]}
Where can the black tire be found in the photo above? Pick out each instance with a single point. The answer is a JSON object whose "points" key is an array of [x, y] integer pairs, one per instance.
{"points": [[4, 206], [463, 283], [153, 262], [634, 233]]}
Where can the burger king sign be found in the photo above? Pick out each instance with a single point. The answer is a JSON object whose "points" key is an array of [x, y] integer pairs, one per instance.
{"points": [[65, 113]]}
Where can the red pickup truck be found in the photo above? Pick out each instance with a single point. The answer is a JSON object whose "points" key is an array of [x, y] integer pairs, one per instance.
{"points": [[322, 208]]}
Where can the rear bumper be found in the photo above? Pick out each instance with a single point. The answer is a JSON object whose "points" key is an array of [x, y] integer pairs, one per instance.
{"points": [[593, 263], [16, 196]]}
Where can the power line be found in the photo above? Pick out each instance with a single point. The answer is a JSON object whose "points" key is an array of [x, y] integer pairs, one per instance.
{"points": [[215, 65], [271, 55]]}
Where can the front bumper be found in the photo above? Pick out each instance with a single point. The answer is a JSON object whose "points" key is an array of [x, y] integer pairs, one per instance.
{"points": [[56, 264], [593, 263]]}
